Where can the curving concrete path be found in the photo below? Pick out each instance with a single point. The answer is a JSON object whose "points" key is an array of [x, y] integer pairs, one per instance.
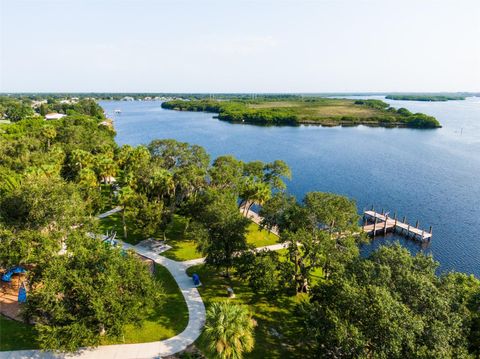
{"points": [[196, 317]]}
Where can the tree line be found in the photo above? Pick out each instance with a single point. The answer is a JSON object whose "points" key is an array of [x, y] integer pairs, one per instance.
{"points": [[80, 290], [15, 109], [434, 98]]}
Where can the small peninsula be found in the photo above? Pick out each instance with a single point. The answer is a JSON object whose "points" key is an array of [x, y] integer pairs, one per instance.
{"points": [[312, 111], [429, 98]]}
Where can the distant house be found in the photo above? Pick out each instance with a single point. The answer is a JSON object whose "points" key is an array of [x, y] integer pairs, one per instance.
{"points": [[38, 103], [69, 101], [54, 116], [107, 123], [108, 180]]}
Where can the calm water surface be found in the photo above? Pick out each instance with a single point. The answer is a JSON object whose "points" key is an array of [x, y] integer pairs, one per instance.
{"points": [[429, 175]]}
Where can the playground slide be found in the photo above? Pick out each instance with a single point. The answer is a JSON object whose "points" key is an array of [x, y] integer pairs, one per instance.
{"points": [[7, 277]]}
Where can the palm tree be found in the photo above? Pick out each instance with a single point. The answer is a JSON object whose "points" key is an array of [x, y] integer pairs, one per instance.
{"points": [[125, 200], [106, 168], [229, 330], [81, 159], [254, 192]]}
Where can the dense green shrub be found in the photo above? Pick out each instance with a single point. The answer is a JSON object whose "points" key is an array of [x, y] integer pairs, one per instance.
{"points": [[420, 120]]}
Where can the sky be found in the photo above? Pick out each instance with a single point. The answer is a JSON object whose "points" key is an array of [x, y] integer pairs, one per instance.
{"points": [[239, 46]]}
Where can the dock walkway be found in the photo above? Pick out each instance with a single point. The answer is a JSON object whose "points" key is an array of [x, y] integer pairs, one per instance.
{"points": [[382, 224]]}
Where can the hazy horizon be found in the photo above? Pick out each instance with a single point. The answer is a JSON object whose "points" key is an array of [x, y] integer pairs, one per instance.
{"points": [[353, 93], [266, 46]]}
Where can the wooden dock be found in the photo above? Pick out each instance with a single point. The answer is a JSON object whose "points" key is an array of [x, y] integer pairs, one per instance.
{"points": [[379, 223]]}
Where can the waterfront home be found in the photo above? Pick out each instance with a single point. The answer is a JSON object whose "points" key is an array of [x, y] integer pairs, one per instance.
{"points": [[38, 103], [69, 101]]}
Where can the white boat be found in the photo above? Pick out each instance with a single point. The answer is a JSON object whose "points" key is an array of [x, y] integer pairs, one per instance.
{"points": [[117, 111]]}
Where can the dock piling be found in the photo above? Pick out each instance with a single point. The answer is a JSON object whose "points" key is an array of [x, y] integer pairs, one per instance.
{"points": [[382, 222]]}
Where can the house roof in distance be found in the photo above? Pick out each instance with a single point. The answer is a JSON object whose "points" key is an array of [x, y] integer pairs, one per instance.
{"points": [[54, 116]]}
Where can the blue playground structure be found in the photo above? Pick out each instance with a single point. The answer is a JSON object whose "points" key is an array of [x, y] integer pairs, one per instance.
{"points": [[7, 277], [22, 294], [196, 280]]}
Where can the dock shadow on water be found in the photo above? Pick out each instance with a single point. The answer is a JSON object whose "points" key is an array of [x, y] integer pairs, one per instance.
{"points": [[414, 246]]}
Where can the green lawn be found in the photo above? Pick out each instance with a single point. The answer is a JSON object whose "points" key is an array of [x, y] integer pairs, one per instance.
{"points": [[182, 249], [272, 315], [15, 335], [165, 322], [320, 108], [260, 237]]}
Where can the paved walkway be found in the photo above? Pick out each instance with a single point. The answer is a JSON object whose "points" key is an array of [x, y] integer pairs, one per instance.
{"points": [[196, 316], [196, 319], [109, 213], [272, 247]]}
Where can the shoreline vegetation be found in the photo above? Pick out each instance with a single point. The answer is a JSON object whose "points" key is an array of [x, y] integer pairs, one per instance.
{"points": [[427, 98], [326, 112]]}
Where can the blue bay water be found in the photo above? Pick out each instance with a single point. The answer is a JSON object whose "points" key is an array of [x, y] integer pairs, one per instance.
{"points": [[428, 175]]}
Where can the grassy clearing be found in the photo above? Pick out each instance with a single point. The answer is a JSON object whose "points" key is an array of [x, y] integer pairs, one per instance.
{"points": [[260, 237], [166, 321], [273, 315], [15, 335], [182, 249], [114, 223], [320, 108]]}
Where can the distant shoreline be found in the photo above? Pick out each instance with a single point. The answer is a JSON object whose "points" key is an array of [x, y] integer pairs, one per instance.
{"points": [[427, 98]]}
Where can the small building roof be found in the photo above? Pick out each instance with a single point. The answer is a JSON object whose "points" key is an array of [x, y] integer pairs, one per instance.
{"points": [[54, 116]]}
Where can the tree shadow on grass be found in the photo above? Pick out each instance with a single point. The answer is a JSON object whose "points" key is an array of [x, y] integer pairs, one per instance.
{"points": [[166, 320], [278, 333], [15, 335]]}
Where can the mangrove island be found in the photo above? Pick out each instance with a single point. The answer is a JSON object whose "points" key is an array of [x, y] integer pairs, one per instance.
{"points": [[313, 111]]}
